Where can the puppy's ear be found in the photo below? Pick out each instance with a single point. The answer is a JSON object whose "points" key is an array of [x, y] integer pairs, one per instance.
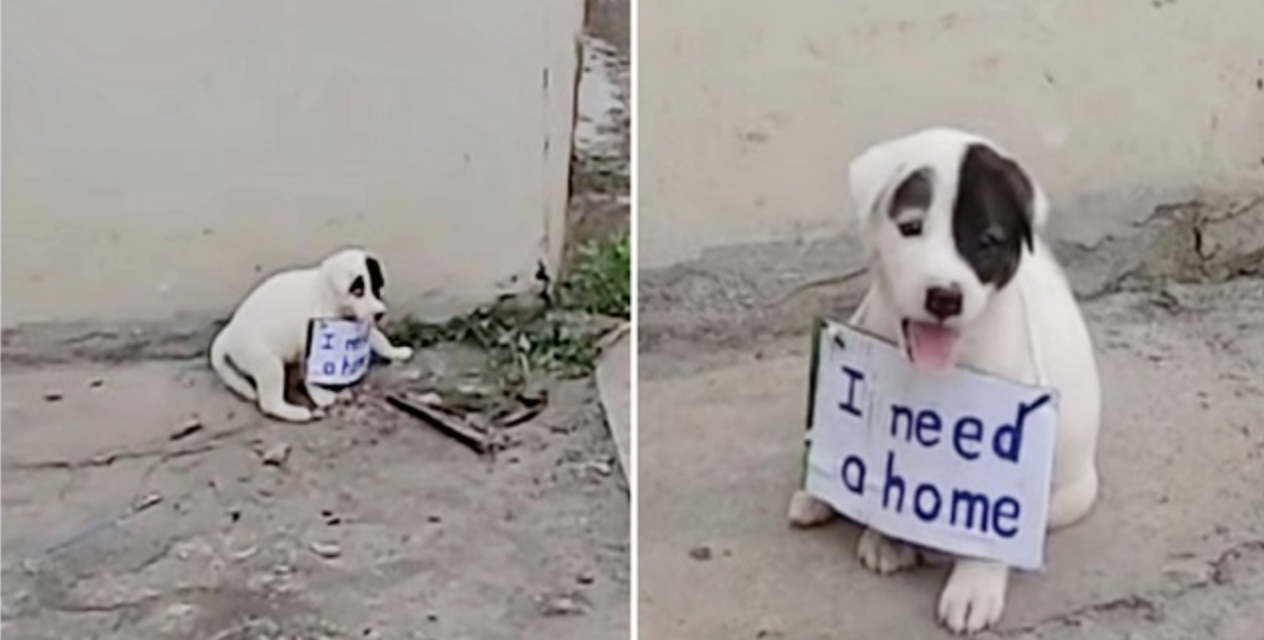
{"points": [[1006, 174], [1029, 191], [377, 279], [336, 273], [875, 174]]}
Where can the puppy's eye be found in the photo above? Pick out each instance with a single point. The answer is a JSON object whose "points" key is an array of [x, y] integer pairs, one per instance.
{"points": [[910, 228], [357, 287], [991, 239]]}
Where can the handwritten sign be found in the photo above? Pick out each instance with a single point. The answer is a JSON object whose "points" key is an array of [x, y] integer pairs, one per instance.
{"points": [[338, 352], [958, 461]]}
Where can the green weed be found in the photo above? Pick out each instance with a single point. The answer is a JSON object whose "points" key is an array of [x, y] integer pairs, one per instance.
{"points": [[559, 339]]}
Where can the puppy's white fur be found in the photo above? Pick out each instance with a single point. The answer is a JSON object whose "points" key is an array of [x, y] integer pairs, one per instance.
{"points": [[269, 329], [1029, 330]]}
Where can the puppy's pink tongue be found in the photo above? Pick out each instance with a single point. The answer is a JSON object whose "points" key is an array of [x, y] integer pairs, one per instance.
{"points": [[931, 345]]}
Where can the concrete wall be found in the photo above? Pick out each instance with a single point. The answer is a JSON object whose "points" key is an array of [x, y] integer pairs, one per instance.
{"points": [[159, 156], [751, 110]]}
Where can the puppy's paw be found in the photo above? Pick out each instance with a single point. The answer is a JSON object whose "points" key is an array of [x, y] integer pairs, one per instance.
{"points": [[974, 597], [807, 511], [290, 413], [321, 397], [884, 555], [400, 354]]}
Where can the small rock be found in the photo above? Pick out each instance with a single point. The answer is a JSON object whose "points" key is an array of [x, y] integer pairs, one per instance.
{"points": [[432, 616], [701, 554], [768, 630], [96, 382], [601, 468], [561, 605], [327, 550], [533, 394], [277, 454], [430, 398], [146, 501], [434, 518], [53, 396], [244, 553], [586, 577]]}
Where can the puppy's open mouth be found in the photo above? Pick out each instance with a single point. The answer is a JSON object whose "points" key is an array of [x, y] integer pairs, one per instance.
{"points": [[930, 346]]}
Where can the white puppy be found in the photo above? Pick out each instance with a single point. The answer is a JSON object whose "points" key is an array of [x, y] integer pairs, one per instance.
{"points": [[269, 328], [961, 276]]}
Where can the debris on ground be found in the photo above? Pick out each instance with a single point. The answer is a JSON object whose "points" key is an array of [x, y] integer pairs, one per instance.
{"points": [[272, 455], [186, 429], [326, 550], [563, 604], [446, 422]]}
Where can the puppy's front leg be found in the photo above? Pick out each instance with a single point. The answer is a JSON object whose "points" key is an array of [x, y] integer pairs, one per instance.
{"points": [[883, 555], [808, 511], [974, 596], [382, 346]]}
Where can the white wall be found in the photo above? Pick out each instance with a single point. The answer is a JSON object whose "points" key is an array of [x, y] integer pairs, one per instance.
{"points": [[750, 110], [159, 155]]}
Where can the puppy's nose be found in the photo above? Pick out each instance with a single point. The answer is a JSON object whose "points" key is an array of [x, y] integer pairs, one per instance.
{"points": [[377, 317], [943, 302]]}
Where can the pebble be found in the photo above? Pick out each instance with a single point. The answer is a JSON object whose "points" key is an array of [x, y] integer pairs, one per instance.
{"points": [[561, 605], [53, 396], [146, 501], [586, 577], [700, 554], [768, 630], [277, 454], [328, 550], [96, 382]]}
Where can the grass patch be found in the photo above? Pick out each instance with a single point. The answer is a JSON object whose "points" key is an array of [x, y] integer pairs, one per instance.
{"points": [[600, 280], [549, 343], [559, 339]]}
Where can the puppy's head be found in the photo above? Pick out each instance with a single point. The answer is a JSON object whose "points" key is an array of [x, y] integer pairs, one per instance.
{"points": [[948, 217], [357, 280]]}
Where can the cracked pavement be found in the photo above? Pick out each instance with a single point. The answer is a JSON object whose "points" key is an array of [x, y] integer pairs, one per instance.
{"points": [[1174, 548]]}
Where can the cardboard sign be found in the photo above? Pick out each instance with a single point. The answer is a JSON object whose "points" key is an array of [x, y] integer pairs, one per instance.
{"points": [[958, 461], [338, 352]]}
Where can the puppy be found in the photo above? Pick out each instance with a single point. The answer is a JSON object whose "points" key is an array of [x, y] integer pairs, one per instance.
{"points": [[960, 276], [269, 329]]}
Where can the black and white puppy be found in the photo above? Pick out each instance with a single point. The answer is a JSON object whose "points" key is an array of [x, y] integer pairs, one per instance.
{"points": [[960, 275], [268, 331]]}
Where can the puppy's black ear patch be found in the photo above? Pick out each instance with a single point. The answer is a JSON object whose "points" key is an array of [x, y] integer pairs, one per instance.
{"points": [[992, 217], [376, 279], [916, 192], [357, 287]]}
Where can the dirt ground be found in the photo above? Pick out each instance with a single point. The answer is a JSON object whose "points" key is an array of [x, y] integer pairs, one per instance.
{"points": [[1174, 549], [366, 525]]}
